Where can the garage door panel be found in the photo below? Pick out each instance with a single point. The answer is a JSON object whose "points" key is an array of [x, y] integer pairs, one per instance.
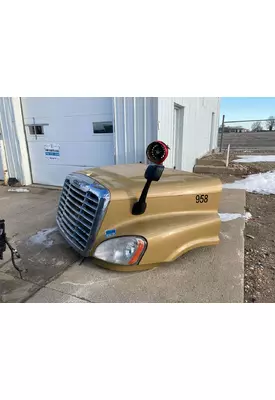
{"points": [[70, 128], [72, 156], [84, 153], [53, 176], [63, 106], [67, 141]]}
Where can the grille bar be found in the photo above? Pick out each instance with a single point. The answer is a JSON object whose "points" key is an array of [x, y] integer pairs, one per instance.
{"points": [[82, 206]]}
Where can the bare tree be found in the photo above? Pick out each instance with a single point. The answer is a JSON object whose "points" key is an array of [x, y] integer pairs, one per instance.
{"points": [[271, 123], [256, 126]]}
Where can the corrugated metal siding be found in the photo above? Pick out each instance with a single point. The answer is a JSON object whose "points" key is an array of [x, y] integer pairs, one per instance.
{"points": [[196, 126], [135, 127], [1, 161], [10, 138], [1, 152]]}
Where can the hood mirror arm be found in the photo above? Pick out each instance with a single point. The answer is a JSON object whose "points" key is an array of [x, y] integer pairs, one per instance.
{"points": [[152, 173]]}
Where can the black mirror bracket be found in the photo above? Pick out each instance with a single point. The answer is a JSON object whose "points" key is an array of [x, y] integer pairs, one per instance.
{"points": [[152, 173]]}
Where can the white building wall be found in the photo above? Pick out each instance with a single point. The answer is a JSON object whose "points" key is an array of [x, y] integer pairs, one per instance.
{"points": [[1, 154], [1, 159], [10, 137], [137, 122], [135, 127], [197, 116], [69, 127]]}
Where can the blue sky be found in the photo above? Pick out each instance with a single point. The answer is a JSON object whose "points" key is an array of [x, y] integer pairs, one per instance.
{"points": [[236, 108]]}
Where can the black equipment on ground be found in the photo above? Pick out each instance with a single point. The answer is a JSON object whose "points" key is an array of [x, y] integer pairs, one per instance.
{"points": [[3, 243], [2, 238]]}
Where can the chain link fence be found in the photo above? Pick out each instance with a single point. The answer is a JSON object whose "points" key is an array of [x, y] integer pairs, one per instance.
{"points": [[247, 134]]}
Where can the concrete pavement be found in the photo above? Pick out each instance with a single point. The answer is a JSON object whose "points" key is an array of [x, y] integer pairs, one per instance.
{"points": [[203, 275], [30, 226], [210, 274]]}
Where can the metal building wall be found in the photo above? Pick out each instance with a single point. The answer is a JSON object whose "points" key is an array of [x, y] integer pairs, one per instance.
{"points": [[135, 121], [69, 127], [197, 116], [10, 138], [2, 156]]}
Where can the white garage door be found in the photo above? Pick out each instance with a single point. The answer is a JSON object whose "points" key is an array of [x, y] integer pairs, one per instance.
{"points": [[67, 134]]}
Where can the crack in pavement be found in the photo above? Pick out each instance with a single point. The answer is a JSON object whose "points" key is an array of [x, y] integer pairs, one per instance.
{"points": [[59, 291]]}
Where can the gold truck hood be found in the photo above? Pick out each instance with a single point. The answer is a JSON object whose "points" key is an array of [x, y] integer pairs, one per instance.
{"points": [[127, 180]]}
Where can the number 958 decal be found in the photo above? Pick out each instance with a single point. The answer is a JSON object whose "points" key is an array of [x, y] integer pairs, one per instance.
{"points": [[202, 198]]}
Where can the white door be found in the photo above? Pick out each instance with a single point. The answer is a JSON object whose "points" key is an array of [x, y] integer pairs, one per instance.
{"points": [[66, 135], [177, 152]]}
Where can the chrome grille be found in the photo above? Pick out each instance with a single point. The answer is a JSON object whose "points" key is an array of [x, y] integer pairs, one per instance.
{"points": [[82, 206]]}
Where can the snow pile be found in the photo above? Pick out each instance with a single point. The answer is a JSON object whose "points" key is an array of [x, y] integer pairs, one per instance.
{"points": [[230, 216], [255, 158], [41, 237], [247, 216], [263, 183], [18, 190]]}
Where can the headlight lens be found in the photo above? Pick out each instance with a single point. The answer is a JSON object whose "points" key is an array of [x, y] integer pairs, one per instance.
{"points": [[125, 250]]}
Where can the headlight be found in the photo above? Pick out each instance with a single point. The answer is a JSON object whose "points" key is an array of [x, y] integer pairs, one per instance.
{"points": [[124, 250]]}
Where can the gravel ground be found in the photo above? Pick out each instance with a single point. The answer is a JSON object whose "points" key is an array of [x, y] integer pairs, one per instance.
{"points": [[259, 278]]}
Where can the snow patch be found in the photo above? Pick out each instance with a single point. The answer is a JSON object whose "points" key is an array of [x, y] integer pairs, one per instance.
{"points": [[41, 237], [18, 190], [229, 216], [262, 183], [255, 158], [225, 235], [78, 284]]}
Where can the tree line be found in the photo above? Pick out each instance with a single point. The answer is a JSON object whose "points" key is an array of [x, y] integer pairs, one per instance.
{"points": [[257, 125]]}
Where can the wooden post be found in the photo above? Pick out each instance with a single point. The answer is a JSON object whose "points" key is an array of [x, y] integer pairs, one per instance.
{"points": [[227, 156]]}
